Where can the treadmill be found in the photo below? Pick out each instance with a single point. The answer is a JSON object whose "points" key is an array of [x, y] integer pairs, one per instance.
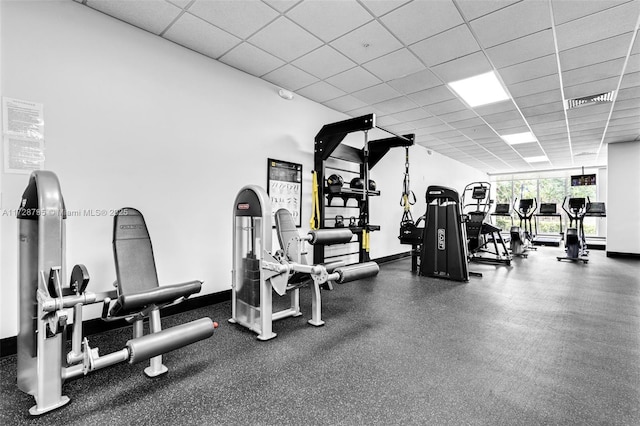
{"points": [[596, 209], [554, 240]]}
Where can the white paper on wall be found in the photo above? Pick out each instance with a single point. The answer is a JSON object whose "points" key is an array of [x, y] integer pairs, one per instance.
{"points": [[23, 135]]}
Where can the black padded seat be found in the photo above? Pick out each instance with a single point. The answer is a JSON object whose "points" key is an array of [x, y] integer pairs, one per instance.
{"points": [[137, 279]]}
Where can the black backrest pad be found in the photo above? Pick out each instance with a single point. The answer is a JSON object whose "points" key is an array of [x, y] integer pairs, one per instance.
{"points": [[133, 253]]}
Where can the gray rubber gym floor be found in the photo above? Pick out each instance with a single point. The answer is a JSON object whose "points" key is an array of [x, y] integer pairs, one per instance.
{"points": [[541, 342]]}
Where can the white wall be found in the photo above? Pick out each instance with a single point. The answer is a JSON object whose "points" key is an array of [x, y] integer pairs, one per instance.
{"points": [[623, 202], [134, 120]]}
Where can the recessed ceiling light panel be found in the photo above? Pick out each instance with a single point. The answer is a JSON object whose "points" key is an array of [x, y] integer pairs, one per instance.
{"points": [[538, 159], [516, 138], [479, 90]]}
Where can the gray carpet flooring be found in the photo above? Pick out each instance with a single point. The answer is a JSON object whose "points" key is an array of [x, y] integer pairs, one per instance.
{"points": [[540, 342]]}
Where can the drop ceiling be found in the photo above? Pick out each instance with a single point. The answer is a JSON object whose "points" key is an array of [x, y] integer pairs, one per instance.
{"points": [[394, 58]]}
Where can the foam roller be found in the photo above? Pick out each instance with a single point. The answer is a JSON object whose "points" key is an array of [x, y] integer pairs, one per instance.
{"points": [[155, 344], [330, 236], [357, 272]]}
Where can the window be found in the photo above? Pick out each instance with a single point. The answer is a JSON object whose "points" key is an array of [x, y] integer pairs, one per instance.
{"points": [[550, 187]]}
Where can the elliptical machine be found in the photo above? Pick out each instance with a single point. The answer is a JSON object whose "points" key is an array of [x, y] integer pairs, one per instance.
{"points": [[484, 241], [575, 244], [522, 236]]}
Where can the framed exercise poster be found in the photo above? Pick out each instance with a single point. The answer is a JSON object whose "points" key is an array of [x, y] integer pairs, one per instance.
{"points": [[284, 185]]}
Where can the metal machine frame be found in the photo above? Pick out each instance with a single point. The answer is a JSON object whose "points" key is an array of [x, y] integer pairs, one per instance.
{"points": [[45, 304], [257, 271]]}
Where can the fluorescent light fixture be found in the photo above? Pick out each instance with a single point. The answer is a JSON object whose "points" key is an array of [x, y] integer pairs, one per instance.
{"points": [[480, 90], [516, 138], [538, 159]]}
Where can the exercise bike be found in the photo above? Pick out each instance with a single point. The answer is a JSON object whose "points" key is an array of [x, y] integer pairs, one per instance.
{"points": [[521, 236], [575, 244]]}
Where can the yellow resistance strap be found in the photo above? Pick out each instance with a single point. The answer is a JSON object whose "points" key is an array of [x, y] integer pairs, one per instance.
{"points": [[365, 240], [314, 222]]}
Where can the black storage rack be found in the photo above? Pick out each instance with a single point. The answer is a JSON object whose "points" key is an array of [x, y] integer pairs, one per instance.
{"points": [[328, 144]]}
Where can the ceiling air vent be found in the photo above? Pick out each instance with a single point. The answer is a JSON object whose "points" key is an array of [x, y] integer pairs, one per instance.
{"points": [[590, 100]]}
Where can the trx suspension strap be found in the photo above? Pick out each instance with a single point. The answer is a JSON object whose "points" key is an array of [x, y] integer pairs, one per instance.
{"points": [[314, 222], [408, 197]]}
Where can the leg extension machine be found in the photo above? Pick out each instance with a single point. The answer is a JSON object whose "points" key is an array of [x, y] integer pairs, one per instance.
{"points": [[257, 271], [46, 302]]}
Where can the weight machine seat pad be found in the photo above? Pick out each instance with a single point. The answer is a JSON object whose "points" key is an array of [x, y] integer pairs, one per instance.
{"points": [[288, 235], [133, 253], [133, 303]]}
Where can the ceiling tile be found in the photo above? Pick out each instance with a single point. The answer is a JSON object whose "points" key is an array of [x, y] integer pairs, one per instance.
{"points": [[432, 95], [290, 77], [465, 122], [592, 72], [459, 118], [511, 114], [621, 113], [250, 59], [629, 93], [591, 88], [472, 9], [481, 131], [542, 109], [599, 26], [421, 19], [324, 62], [523, 49], [396, 105], [630, 80], [428, 122], [329, 20], [464, 67], [358, 112], [447, 134], [564, 11], [375, 94], [367, 42], [446, 107], [546, 118], [512, 22], [281, 5], [528, 149], [240, 18], [429, 129], [353, 80], [601, 51], [345, 103], [529, 70], [386, 121], [196, 34], [412, 115], [415, 82], [395, 65], [448, 45], [538, 98], [153, 16], [285, 40], [320, 92], [381, 7], [537, 85]]}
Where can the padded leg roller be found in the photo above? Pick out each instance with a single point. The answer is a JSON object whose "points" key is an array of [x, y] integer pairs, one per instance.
{"points": [[155, 344], [330, 236], [357, 272]]}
